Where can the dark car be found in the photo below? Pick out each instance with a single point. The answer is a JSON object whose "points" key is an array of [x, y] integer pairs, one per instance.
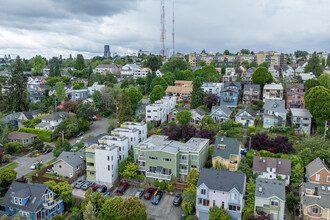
{"points": [[80, 134], [48, 150], [79, 183], [139, 193], [87, 185], [122, 188], [157, 198], [149, 193], [95, 187], [177, 200], [102, 189]]}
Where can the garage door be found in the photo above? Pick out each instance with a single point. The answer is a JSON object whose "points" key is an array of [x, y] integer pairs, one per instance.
{"points": [[203, 215]]}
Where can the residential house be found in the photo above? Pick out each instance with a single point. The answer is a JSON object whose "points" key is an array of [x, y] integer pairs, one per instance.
{"points": [[35, 96], [246, 116], [95, 87], [22, 137], [269, 198], [301, 68], [273, 91], [80, 94], [141, 72], [307, 76], [197, 115], [159, 110], [220, 113], [51, 121], [66, 74], [32, 200], [131, 134], [70, 163], [272, 168], [274, 113], [41, 88], [163, 159], [108, 68], [251, 93], [181, 90], [128, 70], [287, 71], [275, 71], [52, 91], [247, 75], [302, 120], [295, 95], [220, 188], [140, 111], [33, 82], [159, 74], [16, 118], [172, 114], [230, 94], [230, 75], [317, 172], [227, 152], [212, 88]]}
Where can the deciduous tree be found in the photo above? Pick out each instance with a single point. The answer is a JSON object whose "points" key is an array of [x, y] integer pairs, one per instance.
{"points": [[324, 80], [38, 64], [157, 93], [110, 208], [60, 93], [184, 117], [132, 208], [210, 100], [158, 81], [218, 213], [85, 111], [125, 110], [314, 65], [311, 83], [173, 64], [262, 76]]}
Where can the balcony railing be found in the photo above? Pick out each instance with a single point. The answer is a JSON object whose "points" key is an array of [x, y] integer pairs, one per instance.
{"points": [[183, 161], [52, 203], [183, 171], [142, 168], [158, 176], [142, 158]]}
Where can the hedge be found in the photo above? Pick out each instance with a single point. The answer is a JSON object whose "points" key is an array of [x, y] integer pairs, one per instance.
{"points": [[45, 135]]}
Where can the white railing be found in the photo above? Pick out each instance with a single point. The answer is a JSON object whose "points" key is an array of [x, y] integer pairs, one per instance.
{"points": [[142, 158], [183, 171], [158, 176], [183, 161], [142, 168]]}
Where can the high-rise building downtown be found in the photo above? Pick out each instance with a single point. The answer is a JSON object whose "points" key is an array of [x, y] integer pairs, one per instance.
{"points": [[107, 51]]}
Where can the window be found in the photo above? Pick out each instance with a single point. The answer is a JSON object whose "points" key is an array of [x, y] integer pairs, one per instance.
{"points": [[11, 209], [315, 210], [89, 155], [206, 202], [328, 178], [274, 203], [52, 210], [90, 164], [20, 201], [15, 200], [92, 173], [270, 169], [193, 166], [111, 158], [108, 158], [167, 159], [200, 200], [108, 167], [234, 208], [234, 196], [153, 158], [193, 157], [59, 166], [203, 191], [119, 148], [58, 207], [317, 177]]}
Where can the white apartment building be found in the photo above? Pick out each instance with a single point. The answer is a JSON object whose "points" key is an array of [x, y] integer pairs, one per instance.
{"points": [[302, 119], [230, 75], [141, 126], [120, 142], [95, 87], [273, 91], [141, 72], [129, 69], [159, 110], [131, 134], [212, 88]]}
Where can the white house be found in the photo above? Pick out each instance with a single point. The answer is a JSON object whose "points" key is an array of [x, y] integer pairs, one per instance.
{"points": [[273, 91], [51, 121], [272, 168], [275, 71], [129, 69], [33, 82], [159, 110], [302, 119], [246, 116], [212, 88], [230, 75], [108, 68], [95, 87], [301, 68], [287, 71], [141, 72], [197, 114], [307, 76]]}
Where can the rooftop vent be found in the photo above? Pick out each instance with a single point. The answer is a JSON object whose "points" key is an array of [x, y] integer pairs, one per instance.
{"points": [[221, 146], [264, 161], [279, 162], [260, 189]]}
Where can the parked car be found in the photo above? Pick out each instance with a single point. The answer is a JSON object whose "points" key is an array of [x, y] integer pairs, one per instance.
{"points": [[80, 134], [139, 193], [107, 194], [149, 193], [95, 187], [102, 189], [87, 185], [177, 200], [35, 165], [157, 197], [122, 188], [79, 139], [48, 150], [79, 184]]}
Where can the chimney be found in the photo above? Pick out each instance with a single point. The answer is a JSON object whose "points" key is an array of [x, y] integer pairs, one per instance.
{"points": [[260, 189]]}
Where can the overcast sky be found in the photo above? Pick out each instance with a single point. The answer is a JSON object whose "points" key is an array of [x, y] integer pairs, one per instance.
{"points": [[54, 27]]}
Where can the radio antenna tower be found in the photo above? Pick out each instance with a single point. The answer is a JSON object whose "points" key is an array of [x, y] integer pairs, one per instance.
{"points": [[173, 29], [162, 22]]}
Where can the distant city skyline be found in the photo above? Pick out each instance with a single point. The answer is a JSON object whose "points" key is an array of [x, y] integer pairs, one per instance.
{"points": [[52, 28]]}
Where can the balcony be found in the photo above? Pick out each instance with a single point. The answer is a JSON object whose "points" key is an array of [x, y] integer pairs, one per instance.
{"points": [[142, 157], [52, 203], [183, 171], [142, 168], [158, 176], [183, 161]]}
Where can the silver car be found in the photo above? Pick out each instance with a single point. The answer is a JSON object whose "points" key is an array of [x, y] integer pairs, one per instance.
{"points": [[139, 193]]}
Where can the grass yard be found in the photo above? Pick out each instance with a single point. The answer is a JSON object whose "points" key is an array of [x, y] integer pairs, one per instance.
{"points": [[29, 175], [49, 175], [52, 161], [9, 166]]}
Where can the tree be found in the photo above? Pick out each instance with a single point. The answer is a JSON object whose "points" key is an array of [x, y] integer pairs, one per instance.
{"points": [[6, 177], [324, 80], [51, 70], [300, 53], [90, 213], [264, 64], [12, 147], [184, 117], [60, 93], [210, 100], [158, 81], [85, 111], [186, 75], [249, 195], [38, 144], [90, 72], [124, 83], [173, 64], [125, 110], [314, 65], [262, 76], [253, 64], [71, 106], [122, 164], [61, 146], [57, 69], [218, 213], [192, 177], [290, 200], [157, 93], [226, 125], [297, 175], [131, 170], [208, 74], [202, 63], [328, 60], [15, 98], [187, 208], [148, 82], [80, 62], [154, 62], [245, 51], [170, 78], [226, 52], [62, 188], [38, 64], [311, 83], [140, 81], [197, 94], [110, 208], [245, 63], [323, 61], [132, 208], [135, 96]]}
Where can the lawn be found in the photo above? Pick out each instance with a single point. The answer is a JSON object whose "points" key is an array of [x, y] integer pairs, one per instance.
{"points": [[49, 175], [52, 161], [10, 166], [29, 175]]}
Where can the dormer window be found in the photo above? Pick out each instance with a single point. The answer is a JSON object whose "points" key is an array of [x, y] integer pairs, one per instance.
{"points": [[15, 200], [20, 201]]}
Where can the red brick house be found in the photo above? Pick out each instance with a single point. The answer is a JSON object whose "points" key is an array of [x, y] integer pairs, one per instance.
{"points": [[295, 96]]}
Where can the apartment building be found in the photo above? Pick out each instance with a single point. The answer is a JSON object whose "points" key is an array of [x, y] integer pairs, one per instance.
{"points": [[141, 126], [227, 152], [230, 75], [128, 70], [163, 159], [273, 91], [219, 59], [271, 58], [133, 135], [181, 90], [269, 198], [121, 142], [141, 72], [251, 93], [108, 68], [220, 188], [295, 95], [159, 110], [230, 94], [212, 88], [302, 119]]}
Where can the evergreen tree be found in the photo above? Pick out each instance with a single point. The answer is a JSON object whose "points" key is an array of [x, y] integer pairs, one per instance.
{"points": [[125, 110], [249, 201], [51, 70], [148, 82], [314, 65], [57, 69], [90, 212], [197, 95], [328, 60], [90, 71], [15, 99], [80, 62]]}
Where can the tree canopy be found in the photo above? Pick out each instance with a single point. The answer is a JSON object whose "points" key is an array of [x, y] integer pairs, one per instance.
{"points": [[184, 117], [311, 83], [85, 111], [324, 80], [157, 93], [218, 213], [38, 64], [135, 95], [80, 62], [173, 64], [197, 95], [208, 74], [314, 65], [262, 76], [125, 110], [158, 81], [317, 100]]}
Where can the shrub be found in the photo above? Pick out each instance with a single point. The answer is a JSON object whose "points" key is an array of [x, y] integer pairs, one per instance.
{"points": [[235, 124], [156, 183], [252, 128], [44, 135], [170, 187], [187, 208], [279, 129], [13, 147], [162, 185]]}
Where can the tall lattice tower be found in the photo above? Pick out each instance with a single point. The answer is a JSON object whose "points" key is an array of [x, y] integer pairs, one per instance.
{"points": [[163, 31], [173, 31]]}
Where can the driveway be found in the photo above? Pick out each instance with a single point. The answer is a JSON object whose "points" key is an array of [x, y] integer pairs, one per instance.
{"points": [[25, 162]]}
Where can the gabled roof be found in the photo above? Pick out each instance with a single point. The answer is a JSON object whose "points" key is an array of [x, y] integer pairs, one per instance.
{"points": [[275, 67], [199, 110], [16, 135], [297, 112], [315, 166], [266, 188], [290, 85], [56, 116], [35, 191], [223, 108], [232, 147], [236, 84], [286, 67], [72, 158], [275, 105], [283, 166], [248, 110], [222, 180], [322, 199], [254, 87]]}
